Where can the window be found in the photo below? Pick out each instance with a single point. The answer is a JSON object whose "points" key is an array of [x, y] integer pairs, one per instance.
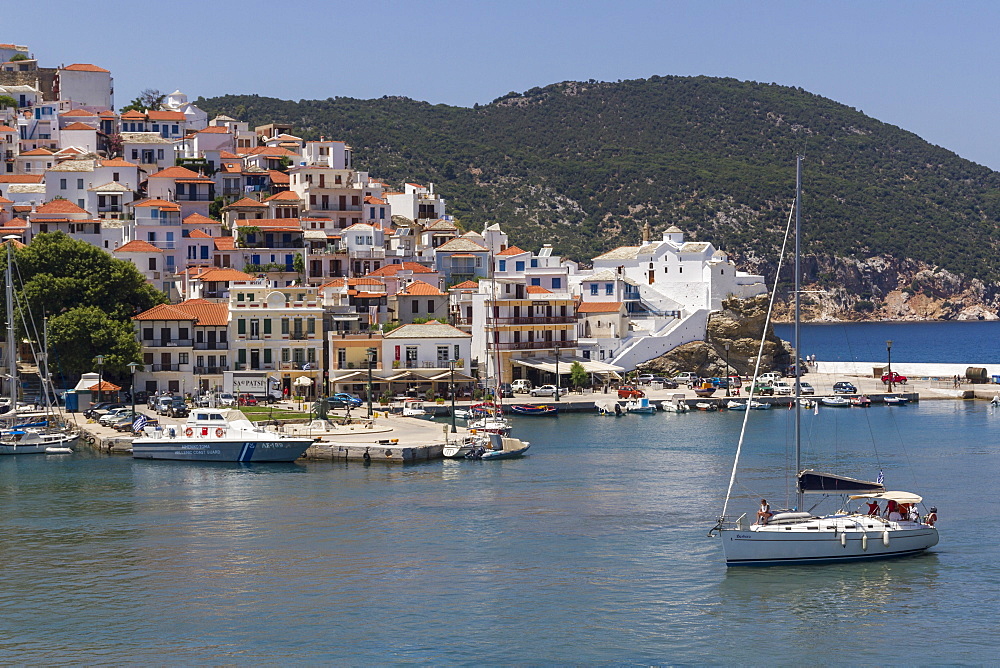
{"points": [[557, 283], [62, 184], [284, 325], [593, 289], [114, 176], [159, 154], [609, 289], [182, 358], [152, 264], [267, 325], [311, 326], [241, 327], [519, 265], [415, 306], [534, 263], [267, 354], [503, 265], [79, 184], [536, 281], [147, 334], [135, 154], [430, 306]]}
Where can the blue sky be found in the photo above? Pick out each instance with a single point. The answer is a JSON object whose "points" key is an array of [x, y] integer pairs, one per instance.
{"points": [[928, 67]]}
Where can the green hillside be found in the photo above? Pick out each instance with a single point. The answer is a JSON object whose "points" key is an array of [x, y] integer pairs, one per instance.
{"points": [[584, 165]]}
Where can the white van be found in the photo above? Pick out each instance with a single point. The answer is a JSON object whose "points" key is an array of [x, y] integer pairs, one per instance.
{"points": [[521, 386], [769, 377]]}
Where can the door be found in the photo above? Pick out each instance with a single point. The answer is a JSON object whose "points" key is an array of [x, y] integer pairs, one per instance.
{"points": [[255, 359]]}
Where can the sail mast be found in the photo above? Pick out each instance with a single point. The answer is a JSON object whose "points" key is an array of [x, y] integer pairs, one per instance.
{"points": [[11, 348], [795, 345]]}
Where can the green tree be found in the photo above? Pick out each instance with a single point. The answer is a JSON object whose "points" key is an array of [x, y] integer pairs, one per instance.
{"points": [[578, 376], [150, 98], [7, 102], [80, 334], [18, 56], [58, 273], [299, 265]]}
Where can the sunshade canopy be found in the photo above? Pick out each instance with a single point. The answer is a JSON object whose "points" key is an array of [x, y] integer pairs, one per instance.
{"points": [[898, 497]]}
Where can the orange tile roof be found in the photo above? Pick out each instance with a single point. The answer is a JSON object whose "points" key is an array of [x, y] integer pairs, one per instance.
{"points": [[513, 250], [161, 203], [59, 206], [107, 113], [286, 196], [198, 219], [369, 199], [226, 155], [246, 201], [38, 151], [215, 130], [174, 172], [201, 311], [279, 178], [138, 246], [132, 114], [537, 290], [393, 269], [22, 178], [85, 67], [419, 288], [272, 224], [165, 115], [198, 234], [598, 307], [104, 386], [117, 162], [225, 243], [224, 274], [4, 200], [271, 152], [79, 126], [364, 280], [335, 283], [465, 285], [78, 112], [7, 128]]}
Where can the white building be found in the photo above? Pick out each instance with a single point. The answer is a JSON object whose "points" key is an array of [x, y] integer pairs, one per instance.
{"points": [[85, 85]]}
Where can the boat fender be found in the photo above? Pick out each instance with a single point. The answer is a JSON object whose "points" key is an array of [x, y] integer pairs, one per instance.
{"points": [[172, 433], [367, 457], [864, 542], [885, 538], [218, 432], [189, 432], [843, 540]]}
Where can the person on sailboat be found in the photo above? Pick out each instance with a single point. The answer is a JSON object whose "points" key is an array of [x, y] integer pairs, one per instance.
{"points": [[931, 517], [873, 508], [764, 513]]}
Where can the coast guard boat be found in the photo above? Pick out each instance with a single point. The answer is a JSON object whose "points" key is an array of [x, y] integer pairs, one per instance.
{"points": [[214, 435]]}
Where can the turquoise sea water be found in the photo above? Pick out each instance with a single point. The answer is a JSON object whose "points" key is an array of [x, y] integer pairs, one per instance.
{"points": [[592, 549]]}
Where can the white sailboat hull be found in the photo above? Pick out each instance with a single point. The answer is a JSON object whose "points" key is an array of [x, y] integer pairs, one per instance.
{"points": [[825, 540]]}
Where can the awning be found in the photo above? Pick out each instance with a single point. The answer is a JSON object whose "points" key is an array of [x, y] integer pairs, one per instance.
{"points": [[548, 364], [898, 497], [346, 376], [459, 378]]}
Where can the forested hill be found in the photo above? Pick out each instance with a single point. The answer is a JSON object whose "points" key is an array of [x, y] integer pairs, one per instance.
{"points": [[584, 165]]}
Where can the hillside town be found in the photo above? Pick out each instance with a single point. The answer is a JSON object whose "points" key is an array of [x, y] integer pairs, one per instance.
{"points": [[290, 268]]}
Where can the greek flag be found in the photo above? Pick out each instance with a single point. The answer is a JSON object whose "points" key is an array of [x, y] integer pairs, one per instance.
{"points": [[880, 479], [139, 423]]}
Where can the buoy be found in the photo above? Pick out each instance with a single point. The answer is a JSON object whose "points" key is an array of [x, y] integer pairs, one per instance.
{"points": [[218, 432], [864, 542], [885, 538], [188, 431], [843, 540]]}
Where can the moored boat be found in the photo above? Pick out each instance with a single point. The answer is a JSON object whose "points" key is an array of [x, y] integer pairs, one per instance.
{"points": [[675, 404], [834, 402], [640, 405], [415, 408], [534, 409], [894, 400], [861, 401], [214, 435], [500, 447]]}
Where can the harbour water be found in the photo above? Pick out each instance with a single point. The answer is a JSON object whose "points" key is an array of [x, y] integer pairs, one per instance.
{"points": [[592, 549]]}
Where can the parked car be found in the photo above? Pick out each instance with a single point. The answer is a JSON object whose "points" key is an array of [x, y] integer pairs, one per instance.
{"points": [[782, 387], [645, 379], [894, 378], [347, 399], [225, 400], [630, 392], [546, 391], [127, 425], [806, 388], [111, 415], [178, 408], [246, 399], [769, 377], [521, 386], [141, 396], [844, 387], [103, 407], [165, 404], [665, 383], [686, 377], [763, 389]]}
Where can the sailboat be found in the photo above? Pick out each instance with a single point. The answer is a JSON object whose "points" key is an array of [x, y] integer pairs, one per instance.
{"points": [[17, 436], [796, 536]]}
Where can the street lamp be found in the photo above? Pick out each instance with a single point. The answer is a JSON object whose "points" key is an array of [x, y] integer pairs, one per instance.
{"points": [[100, 375], [371, 359], [451, 388], [726, 346], [557, 372], [132, 366], [888, 350]]}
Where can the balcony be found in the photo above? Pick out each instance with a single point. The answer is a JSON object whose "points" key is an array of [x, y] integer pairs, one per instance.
{"points": [[197, 197], [210, 370], [373, 254], [243, 366], [534, 345], [167, 367], [169, 343], [212, 345], [300, 336], [535, 320]]}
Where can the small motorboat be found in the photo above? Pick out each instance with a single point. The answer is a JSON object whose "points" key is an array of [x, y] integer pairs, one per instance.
{"points": [[415, 408], [834, 402], [460, 449], [759, 405], [641, 405], [736, 405], [491, 425], [706, 406], [894, 400], [675, 404], [705, 390], [534, 409], [861, 401], [500, 447], [612, 409], [463, 414]]}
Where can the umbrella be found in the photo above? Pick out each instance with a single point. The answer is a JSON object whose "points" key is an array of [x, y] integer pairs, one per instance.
{"points": [[304, 380]]}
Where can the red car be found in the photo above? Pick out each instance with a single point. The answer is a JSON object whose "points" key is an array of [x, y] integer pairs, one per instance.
{"points": [[630, 392], [894, 378], [247, 399]]}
